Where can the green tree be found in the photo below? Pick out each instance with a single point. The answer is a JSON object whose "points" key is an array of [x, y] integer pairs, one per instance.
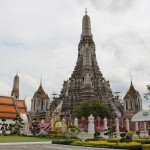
{"points": [[4, 127], [35, 129], [148, 92], [18, 126], [94, 107]]}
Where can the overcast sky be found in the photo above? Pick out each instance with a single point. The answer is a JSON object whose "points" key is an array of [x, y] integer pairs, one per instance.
{"points": [[40, 37]]}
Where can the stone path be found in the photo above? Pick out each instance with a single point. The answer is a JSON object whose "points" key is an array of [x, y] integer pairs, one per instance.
{"points": [[43, 146]]}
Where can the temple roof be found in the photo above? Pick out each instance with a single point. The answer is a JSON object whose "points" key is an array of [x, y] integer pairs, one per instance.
{"points": [[86, 25], [21, 105], [40, 93], [132, 93], [9, 107]]}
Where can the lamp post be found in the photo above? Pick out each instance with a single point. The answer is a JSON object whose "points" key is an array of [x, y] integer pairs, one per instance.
{"points": [[54, 98]]}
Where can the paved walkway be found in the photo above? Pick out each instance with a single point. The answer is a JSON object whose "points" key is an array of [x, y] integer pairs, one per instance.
{"points": [[42, 146]]}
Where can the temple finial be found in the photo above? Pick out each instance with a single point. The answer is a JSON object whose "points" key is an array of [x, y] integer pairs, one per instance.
{"points": [[85, 11], [86, 25], [17, 72], [131, 78], [41, 80]]}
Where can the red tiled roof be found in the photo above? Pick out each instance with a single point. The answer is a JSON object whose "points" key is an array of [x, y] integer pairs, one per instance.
{"points": [[4, 108], [6, 100], [20, 103], [6, 115], [9, 107], [22, 111]]}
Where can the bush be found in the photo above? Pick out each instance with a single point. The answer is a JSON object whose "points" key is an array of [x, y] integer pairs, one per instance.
{"points": [[128, 138], [64, 142], [122, 134], [96, 134], [106, 133], [94, 143], [146, 146], [122, 140], [142, 141], [115, 140], [131, 146], [105, 144], [138, 132], [90, 139], [129, 133]]}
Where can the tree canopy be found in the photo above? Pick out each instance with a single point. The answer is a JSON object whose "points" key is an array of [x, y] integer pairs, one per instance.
{"points": [[148, 93], [94, 107]]}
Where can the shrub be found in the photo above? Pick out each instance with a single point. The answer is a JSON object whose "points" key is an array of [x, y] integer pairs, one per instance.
{"points": [[142, 141], [138, 133], [146, 146], [94, 143], [116, 140], [105, 144], [65, 142], [90, 139], [122, 140], [129, 133], [106, 133], [122, 134], [128, 138], [130, 146], [96, 134]]}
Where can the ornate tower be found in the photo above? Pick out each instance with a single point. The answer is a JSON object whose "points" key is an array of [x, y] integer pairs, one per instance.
{"points": [[39, 103], [86, 80], [132, 102], [15, 90]]}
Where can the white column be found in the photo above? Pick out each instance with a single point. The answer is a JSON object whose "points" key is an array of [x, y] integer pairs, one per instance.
{"points": [[117, 125], [127, 124], [145, 127], [63, 125], [76, 122], [91, 124], [105, 124], [26, 127], [136, 126]]}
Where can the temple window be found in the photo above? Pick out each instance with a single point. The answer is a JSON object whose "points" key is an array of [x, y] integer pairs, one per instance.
{"points": [[126, 105], [42, 105]]}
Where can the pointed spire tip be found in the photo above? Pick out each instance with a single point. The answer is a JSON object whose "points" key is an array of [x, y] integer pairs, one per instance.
{"points": [[85, 11]]}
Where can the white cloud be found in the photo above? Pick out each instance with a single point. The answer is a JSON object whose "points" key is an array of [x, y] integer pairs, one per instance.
{"points": [[41, 37]]}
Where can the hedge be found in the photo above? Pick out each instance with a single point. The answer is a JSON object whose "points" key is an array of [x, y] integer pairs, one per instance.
{"points": [[131, 146], [93, 143], [64, 142], [142, 141], [146, 146], [105, 144], [115, 140]]}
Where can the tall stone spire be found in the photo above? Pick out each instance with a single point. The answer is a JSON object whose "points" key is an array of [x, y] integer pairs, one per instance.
{"points": [[15, 90], [86, 81], [86, 25]]}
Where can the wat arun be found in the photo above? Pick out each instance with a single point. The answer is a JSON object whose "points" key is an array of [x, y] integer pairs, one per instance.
{"points": [[86, 81]]}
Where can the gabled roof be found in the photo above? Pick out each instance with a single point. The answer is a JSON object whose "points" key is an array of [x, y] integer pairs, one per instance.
{"points": [[6, 100], [132, 93], [143, 115], [21, 105], [40, 93], [9, 107]]}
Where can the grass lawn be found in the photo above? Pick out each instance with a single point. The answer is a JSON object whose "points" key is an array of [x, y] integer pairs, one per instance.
{"points": [[7, 139]]}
